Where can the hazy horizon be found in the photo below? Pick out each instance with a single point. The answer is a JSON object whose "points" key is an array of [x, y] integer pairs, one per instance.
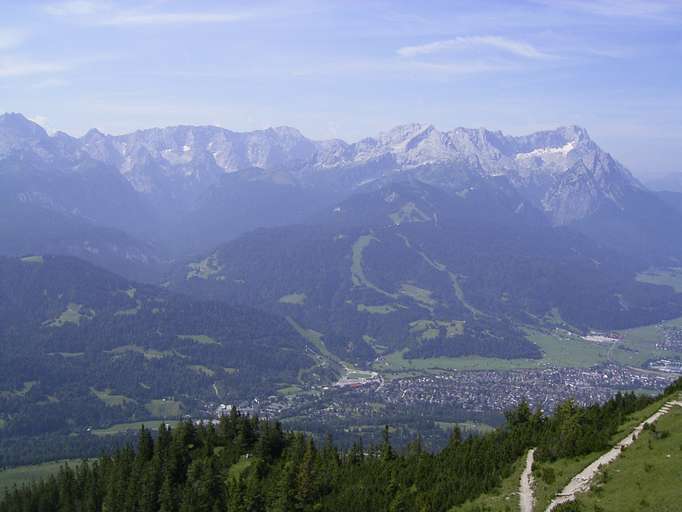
{"points": [[334, 70]]}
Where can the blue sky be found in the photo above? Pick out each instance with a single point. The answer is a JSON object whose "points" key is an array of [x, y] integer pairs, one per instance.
{"points": [[350, 69]]}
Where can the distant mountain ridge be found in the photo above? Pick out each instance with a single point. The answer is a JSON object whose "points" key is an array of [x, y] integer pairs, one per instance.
{"points": [[550, 167], [185, 189]]}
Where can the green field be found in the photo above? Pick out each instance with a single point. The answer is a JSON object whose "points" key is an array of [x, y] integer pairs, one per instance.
{"points": [[133, 427], [290, 390], [647, 476], [201, 339], [33, 259], [73, 314], [662, 277], [315, 338], [110, 399], [383, 309], [200, 368], [421, 295], [25, 474], [559, 350], [148, 353], [640, 343], [28, 386], [465, 426], [164, 408], [357, 270], [204, 269], [293, 298], [238, 468]]}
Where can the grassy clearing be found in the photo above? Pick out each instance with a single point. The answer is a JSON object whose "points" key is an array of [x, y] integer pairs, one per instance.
{"points": [[465, 426], [73, 314], [557, 351], [354, 374], [200, 368], [238, 468], [293, 298], [148, 353], [164, 408], [202, 339], [561, 349], [640, 343], [28, 385], [372, 342], [504, 499], [356, 269], [290, 390], [662, 277], [430, 329], [132, 427], [383, 309], [21, 475], [110, 399], [130, 311], [459, 293], [204, 269], [67, 355], [33, 259], [315, 338], [409, 212], [647, 476], [420, 295]]}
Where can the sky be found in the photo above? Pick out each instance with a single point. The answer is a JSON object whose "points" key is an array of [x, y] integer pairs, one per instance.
{"points": [[353, 68]]}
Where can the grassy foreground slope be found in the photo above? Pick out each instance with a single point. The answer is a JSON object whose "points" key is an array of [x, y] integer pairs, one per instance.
{"points": [[648, 476]]}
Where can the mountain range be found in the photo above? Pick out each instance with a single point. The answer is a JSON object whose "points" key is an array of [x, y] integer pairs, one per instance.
{"points": [[185, 189], [271, 260]]}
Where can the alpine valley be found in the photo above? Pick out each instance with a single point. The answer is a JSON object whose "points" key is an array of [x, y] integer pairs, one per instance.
{"points": [[405, 278]]}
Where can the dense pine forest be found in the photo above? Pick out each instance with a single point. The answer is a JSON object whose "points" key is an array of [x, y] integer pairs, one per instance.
{"points": [[246, 464]]}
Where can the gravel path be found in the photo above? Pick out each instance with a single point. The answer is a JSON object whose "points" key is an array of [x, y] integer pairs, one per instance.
{"points": [[583, 480], [526, 487]]}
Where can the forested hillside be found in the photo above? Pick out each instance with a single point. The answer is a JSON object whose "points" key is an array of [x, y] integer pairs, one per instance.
{"points": [[243, 464], [80, 346], [410, 267]]}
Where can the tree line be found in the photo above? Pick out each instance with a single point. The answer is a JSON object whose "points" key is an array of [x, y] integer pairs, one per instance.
{"points": [[244, 464]]}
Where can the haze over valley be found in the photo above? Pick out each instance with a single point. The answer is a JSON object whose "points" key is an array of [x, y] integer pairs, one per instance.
{"points": [[325, 256]]}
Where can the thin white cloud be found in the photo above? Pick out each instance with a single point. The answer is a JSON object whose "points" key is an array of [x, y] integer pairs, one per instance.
{"points": [[105, 13], [76, 8], [176, 18], [399, 67], [15, 67], [10, 38], [511, 46]]}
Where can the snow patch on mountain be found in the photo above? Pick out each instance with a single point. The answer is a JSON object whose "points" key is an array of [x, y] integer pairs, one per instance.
{"points": [[561, 171]]}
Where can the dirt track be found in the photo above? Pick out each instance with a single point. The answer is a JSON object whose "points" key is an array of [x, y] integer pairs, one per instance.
{"points": [[526, 486]]}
